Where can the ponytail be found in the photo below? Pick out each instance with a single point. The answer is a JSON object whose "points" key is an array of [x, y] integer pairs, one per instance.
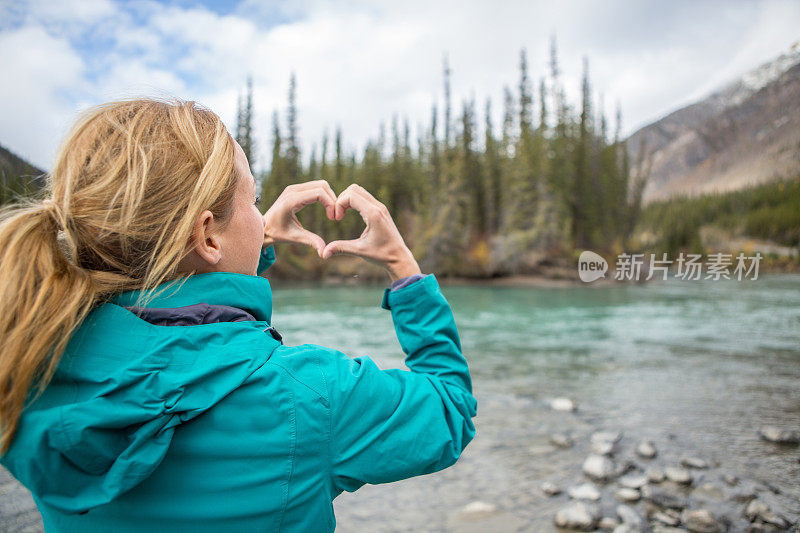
{"points": [[44, 297]]}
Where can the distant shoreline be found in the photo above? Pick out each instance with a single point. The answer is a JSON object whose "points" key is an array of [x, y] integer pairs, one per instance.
{"points": [[522, 280]]}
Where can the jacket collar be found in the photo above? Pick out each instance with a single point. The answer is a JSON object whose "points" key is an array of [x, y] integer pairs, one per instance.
{"points": [[252, 294], [191, 315]]}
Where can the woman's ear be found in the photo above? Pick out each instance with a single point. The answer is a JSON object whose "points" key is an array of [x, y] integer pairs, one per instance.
{"points": [[206, 245]]}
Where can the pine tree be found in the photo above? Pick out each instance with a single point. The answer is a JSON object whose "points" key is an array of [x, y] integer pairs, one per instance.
{"points": [[446, 103], [244, 126], [495, 197], [526, 168], [293, 149], [525, 99], [435, 189], [278, 180], [581, 186]]}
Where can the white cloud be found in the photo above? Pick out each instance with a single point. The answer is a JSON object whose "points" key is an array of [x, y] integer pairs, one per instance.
{"points": [[358, 63], [40, 72]]}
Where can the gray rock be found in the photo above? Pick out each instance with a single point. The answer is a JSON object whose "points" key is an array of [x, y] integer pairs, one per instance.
{"points": [[578, 515], [759, 510], [730, 479], [678, 475], [562, 440], [607, 522], [701, 521], [633, 481], [773, 518], [694, 462], [709, 491], [628, 495], [478, 510], [628, 515], [585, 491], [658, 528], [779, 435], [646, 449], [599, 467], [664, 498], [755, 508], [562, 404], [551, 489], [655, 476], [604, 442], [668, 518]]}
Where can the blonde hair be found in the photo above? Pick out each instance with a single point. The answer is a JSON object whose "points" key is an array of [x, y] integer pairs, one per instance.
{"points": [[129, 181]]}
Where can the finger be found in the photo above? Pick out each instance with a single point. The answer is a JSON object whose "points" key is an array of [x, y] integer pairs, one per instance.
{"points": [[310, 184], [354, 197], [350, 247], [329, 209], [298, 199], [292, 190], [364, 192], [304, 236]]}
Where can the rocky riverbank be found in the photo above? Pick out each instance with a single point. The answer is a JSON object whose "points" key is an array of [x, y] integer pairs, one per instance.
{"points": [[626, 484]]}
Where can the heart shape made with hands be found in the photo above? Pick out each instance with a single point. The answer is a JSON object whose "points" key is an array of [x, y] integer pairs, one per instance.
{"points": [[281, 223]]}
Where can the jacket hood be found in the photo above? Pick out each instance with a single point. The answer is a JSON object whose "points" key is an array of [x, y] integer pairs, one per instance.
{"points": [[107, 418]]}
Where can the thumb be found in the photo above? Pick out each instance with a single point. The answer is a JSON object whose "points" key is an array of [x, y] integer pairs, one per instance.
{"points": [[339, 247], [313, 240]]}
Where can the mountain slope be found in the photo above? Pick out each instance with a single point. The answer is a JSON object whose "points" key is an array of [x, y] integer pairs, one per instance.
{"points": [[744, 134], [15, 171]]}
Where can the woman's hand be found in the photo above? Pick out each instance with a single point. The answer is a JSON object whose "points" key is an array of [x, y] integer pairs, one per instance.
{"points": [[381, 242], [280, 222]]}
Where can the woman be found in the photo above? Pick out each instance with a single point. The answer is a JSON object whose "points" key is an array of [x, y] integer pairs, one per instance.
{"points": [[142, 387]]}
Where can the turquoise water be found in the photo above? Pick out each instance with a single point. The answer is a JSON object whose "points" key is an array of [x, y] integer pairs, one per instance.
{"points": [[695, 365]]}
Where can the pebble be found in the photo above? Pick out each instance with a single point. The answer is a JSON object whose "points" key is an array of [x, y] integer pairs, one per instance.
{"points": [[759, 510], [551, 489], [658, 528], [578, 515], [655, 476], [607, 522], [586, 491], [478, 509], [678, 475], [668, 517], [561, 440], [779, 435], [604, 442], [633, 481], [701, 521], [646, 449], [627, 495], [694, 462], [664, 498], [599, 467], [730, 479], [709, 491], [562, 404], [755, 508]]}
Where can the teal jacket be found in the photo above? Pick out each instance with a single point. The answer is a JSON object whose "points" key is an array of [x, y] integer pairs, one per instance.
{"points": [[220, 427]]}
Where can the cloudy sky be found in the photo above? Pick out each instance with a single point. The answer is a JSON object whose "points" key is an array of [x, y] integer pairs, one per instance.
{"points": [[359, 62]]}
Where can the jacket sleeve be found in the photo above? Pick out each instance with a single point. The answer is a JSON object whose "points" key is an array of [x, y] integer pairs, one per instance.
{"points": [[393, 424], [266, 259]]}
